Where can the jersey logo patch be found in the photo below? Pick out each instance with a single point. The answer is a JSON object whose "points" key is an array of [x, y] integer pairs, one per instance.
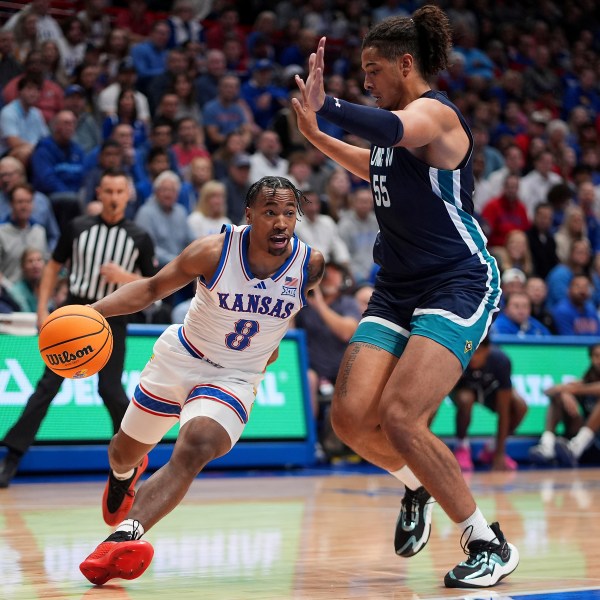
{"points": [[289, 286], [261, 285], [468, 346]]}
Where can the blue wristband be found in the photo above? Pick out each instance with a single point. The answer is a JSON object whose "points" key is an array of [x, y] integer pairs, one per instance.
{"points": [[380, 127]]}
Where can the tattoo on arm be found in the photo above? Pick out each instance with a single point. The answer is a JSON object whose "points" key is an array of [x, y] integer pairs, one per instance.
{"points": [[315, 272]]}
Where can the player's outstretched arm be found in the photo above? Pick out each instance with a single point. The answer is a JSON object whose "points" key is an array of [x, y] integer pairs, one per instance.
{"points": [[201, 257]]}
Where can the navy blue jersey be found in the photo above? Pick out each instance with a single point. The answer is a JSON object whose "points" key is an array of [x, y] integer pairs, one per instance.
{"points": [[425, 214]]}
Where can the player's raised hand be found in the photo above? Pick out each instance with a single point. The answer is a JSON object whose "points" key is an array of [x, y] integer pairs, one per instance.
{"points": [[313, 90]]}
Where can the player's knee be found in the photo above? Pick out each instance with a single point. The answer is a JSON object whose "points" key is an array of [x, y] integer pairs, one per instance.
{"points": [[399, 424], [198, 445]]}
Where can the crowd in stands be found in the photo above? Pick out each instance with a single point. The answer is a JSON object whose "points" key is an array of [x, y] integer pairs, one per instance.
{"points": [[192, 99]]}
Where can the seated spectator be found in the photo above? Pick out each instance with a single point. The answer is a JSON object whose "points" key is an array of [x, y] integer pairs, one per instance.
{"points": [[187, 106], [136, 19], [200, 171], [52, 63], [586, 199], [573, 228], [560, 276], [512, 281], [10, 66], [25, 289], [329, 321], [161, 136], [19, 233], [514, 163], [110, 157], [358, 229], [541, 240], [150, 56], [126, 79], [50, 99], [162, 83], [337, 195], [12, 173], [560, 197], [87, 132], [285, 125], [22, 125], [184, 24], [575, 405], [515, 253], [96, 22], [226, 114], [537, 290], [235, 143], [237, 182], [538, 182], [505, 213], [72, 44], [189, 144], [320, 231], [210, 213], [576, 314], [47, 26], [267, 159], [126, 113], [362, 295], [262, 96], [57, 167], [164, 219], [515, 318], [487, 381], [207, 84]]}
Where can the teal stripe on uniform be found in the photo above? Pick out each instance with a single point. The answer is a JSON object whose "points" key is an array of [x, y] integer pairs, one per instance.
{"points": [[446, 184], [381, 336]]}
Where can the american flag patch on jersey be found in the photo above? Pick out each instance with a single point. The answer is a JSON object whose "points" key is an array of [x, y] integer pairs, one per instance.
{"points": [[289, 286]]}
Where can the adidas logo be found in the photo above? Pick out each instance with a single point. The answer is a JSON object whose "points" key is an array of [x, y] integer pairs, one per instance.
{"points": [[261, 285]]}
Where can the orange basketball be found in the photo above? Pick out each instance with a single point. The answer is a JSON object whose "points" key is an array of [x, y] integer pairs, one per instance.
{"points": [[75, 341]]}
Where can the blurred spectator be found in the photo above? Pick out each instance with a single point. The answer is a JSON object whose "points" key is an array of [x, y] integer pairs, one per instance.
{"points": [[493, 157], [320, 231], [515, 253], [576, 314], [262, 96], [329, 321], [207, 84], [226, 25], [512, 281], [57, 167], [126, 113], [25, 289], [571, 403], [88, 77], [50, 100], [166, 110], [22, 125], [111, 156], [487, 381], [267, 159], [362, 295], [19, 233], [538, 182], [160, 84], [52, 63], [515, 318], [9, 65], [164, 219], [95, 21], [114, 51], [47, 26], [477, 63], [540, 76], [537, 290], [72, 45], [541, 240], [262, 33], [505, 213], [225, 114], [189, 145], [285, 125], [336, 198], [235, 57], [237, 182], [183, 88], [514, 163], [210, 212], [235, 143], [390, 8], [12, 173], [200, 171], [161, 136], [297, 52], [583, 93], [136, 19], [586, 199], [482, 188], [513, 124], [126, 79], [150, 56], [358, 229], [26, 35], [87, 132], [184, 24], [573, 228]]}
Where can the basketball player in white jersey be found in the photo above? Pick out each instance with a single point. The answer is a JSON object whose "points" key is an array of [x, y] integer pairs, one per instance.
{"points": [[251, 280]]}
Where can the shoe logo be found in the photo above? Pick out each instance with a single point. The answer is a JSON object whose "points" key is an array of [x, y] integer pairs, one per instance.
{"points": [[468, 346]]}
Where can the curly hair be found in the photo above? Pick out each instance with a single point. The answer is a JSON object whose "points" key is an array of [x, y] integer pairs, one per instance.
{"points": [[273, 184]]}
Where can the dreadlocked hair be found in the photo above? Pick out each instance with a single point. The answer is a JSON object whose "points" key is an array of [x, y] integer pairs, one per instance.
{"points": [[426, 36], [270, 184]]}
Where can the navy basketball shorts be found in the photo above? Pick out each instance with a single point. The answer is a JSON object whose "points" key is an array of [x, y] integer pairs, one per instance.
{"points": [[455, 308]]}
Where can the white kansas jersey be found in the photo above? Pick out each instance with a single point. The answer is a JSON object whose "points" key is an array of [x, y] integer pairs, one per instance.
{"points": [[237, 320]]}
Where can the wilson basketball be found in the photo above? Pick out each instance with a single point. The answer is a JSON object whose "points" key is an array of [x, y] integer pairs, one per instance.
{"points": [[75, 341]]}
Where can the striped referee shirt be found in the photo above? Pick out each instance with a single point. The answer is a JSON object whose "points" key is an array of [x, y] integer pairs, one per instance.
{"points": [[89, 242]]}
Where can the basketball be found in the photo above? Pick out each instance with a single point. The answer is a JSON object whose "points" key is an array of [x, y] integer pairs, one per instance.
{"points": [[75, 341]]}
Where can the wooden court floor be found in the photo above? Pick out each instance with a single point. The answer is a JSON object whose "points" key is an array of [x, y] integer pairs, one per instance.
{"points": [[308, 537]]}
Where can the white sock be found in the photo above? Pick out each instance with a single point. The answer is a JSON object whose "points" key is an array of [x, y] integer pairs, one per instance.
{"points": [[133, 527], [548, 440], [480, 530], [123, 476], [407, 477], [581, 441], [464, 443]]}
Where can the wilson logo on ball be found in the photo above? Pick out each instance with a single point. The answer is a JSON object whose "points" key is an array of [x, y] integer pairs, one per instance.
{"points": [[64, 358]]}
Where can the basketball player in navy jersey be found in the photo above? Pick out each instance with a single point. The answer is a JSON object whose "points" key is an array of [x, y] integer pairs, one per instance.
{"points": [[204, 373], [436, 291]]}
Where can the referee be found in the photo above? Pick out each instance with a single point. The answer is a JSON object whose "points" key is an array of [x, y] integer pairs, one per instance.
{"points": [[104, 251]]}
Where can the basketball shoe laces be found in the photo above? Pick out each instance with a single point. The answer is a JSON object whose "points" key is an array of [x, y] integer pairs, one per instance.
{"points": [[480, 551], [411, 504], [117, 490]]}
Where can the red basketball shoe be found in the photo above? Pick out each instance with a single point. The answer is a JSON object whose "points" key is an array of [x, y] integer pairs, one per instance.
{"points": [[119, 495]]}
